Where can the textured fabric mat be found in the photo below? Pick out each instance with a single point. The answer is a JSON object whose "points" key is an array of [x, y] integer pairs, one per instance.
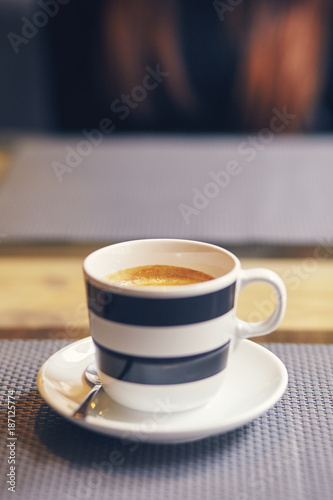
{"points": [[222, 190], [286, 454]]}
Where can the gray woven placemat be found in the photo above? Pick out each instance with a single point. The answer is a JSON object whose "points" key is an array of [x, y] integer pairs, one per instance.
{"points": [[217, 189], [285, 454]]}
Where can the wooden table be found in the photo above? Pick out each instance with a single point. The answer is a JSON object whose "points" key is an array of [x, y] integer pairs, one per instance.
{"points": [[42, 293]]}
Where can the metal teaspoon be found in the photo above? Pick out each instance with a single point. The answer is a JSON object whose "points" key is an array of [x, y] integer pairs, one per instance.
{"points": [[92, 377]]}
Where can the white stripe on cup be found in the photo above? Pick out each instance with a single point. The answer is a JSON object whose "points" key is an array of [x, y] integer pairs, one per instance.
{"points": [[185, 340]]}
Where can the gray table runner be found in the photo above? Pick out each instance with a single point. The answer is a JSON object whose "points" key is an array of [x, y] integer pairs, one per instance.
{"points": [[286, 454], [246, 189]]}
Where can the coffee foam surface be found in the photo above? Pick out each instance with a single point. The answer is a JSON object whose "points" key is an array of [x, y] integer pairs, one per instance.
{"points": [[157, 275]]}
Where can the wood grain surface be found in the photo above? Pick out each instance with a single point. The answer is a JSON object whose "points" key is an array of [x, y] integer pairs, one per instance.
{"points": [[42, 295]]}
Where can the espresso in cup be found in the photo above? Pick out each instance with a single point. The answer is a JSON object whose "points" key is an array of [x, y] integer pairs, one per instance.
{"points": [[157, 275], [169, 346]]}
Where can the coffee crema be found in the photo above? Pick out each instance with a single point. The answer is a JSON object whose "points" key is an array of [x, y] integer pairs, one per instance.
{"points": [[157, 275]]}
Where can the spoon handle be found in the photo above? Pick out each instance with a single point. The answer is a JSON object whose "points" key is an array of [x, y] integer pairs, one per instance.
{"points": [[85, 406]]}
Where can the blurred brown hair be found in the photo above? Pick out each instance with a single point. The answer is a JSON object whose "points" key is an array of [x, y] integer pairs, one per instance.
{"points": [[280, 46], [282, 60], [143, 32]]}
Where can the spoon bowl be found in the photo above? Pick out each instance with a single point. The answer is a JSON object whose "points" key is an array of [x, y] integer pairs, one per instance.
{"points": [[91, 374]]}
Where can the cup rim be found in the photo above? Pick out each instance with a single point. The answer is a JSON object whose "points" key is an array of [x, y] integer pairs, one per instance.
{"points": [[170, 290]]}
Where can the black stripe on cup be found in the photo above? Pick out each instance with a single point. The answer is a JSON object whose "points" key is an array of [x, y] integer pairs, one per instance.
{"points": [[145, 311], [161, 371]]}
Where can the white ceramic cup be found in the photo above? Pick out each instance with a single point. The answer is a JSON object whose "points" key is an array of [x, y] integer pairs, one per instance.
{"points": [[166, 348]]}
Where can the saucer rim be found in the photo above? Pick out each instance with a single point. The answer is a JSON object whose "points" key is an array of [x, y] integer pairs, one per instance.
{"points": [[165, 434]]}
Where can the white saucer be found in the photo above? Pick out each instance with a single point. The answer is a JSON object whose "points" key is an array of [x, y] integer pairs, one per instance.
{"points": [[256, 379]]}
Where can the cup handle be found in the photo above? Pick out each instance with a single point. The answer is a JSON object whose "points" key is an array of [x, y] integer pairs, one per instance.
{"points": [[245, 329]]}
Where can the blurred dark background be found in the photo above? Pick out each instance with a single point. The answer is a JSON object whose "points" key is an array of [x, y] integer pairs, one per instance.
{"points": [[64, 63]]}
